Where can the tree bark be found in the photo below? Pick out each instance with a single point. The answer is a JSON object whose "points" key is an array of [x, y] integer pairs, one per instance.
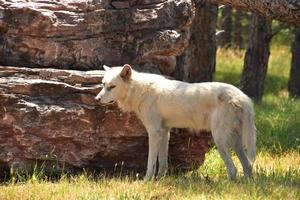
{"points": [[226, 26], [257, 57], [294, 82], [237, 30], [282, 10], [197, 63]]}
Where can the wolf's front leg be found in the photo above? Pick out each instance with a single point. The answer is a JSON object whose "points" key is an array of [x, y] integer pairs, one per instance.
{"points": [[153, 123], [152, 155]]}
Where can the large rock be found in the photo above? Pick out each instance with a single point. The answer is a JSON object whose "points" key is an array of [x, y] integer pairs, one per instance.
{"points": [[50, 116], [82, 35]]}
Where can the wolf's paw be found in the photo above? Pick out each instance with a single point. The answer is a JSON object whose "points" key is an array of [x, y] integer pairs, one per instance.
{"points": [[149, 178], [161, 174]]}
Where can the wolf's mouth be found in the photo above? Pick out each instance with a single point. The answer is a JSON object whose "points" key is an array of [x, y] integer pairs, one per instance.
{"points": [[109, 103]]}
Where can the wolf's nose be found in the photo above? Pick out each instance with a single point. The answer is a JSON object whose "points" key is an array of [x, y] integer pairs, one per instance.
{"points": [[97, 98]]}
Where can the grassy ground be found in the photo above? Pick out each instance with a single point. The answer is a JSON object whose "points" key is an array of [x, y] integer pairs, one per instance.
{"points": [[276, 170]]}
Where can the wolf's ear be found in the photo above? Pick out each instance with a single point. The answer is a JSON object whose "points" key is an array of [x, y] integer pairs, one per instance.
{"points": [[106, 68], [126, 72]]}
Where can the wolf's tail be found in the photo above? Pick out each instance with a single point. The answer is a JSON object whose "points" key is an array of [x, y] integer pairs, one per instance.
{"points": [[249, 130]]}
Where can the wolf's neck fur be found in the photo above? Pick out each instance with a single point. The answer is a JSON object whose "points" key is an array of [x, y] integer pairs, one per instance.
{"points": [[136, 90]]}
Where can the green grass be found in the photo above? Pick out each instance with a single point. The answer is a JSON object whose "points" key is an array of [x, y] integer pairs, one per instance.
{"points": [[276, 169]]}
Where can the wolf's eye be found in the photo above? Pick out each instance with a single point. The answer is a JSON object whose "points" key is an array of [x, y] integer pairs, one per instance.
{"points": [[111, 87]]}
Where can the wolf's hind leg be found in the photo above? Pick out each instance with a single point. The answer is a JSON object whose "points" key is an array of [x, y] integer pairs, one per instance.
{"points": [[220, 139], [238, 147]]}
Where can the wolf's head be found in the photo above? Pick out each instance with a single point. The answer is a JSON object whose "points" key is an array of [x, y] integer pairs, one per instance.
{"points": [[114, 82]]}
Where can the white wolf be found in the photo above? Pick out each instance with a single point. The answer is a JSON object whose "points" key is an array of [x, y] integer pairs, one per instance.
{"points": [[162, 104]]}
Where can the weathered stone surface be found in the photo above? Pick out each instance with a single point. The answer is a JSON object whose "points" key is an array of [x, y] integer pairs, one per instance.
{"points": [[49, 115], [82, 35]]}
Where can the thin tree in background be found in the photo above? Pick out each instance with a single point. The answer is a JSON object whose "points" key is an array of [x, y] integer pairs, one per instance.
{"points": [[257, 57], [226, 26], [198, 61], [294, 82], [237, 29]]}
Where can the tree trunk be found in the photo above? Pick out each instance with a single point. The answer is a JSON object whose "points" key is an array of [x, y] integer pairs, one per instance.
{"points": [[294, 82], [226, 26], [197, 63], [282, 10], [237, 31], [257, 57]]}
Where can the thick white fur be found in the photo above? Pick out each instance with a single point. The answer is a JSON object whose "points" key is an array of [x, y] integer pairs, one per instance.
{"points": [[162, 104]]}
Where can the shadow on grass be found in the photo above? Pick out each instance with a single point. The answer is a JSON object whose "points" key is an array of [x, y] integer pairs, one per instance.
{"points": [[261, 183], [9, 176], [274, 84], [228, 77]]}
